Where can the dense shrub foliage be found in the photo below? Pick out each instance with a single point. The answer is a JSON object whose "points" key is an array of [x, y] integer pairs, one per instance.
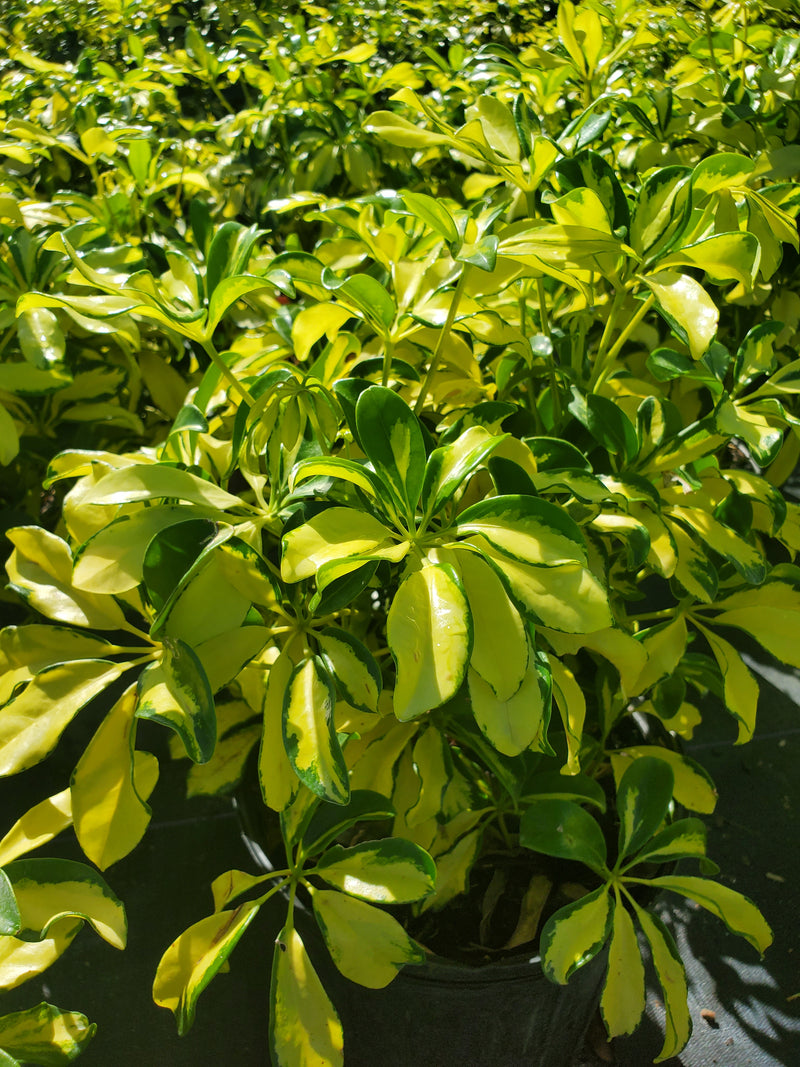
{"points": [[401, 393]]}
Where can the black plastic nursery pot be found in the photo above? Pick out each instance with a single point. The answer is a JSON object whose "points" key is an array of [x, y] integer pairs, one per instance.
{"points": [[442, 1013]]}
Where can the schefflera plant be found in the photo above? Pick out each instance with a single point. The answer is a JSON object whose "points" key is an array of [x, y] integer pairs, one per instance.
{"points": [[485, 516]]}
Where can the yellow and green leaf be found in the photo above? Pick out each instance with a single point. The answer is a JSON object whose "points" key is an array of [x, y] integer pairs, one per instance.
{"points": [[575, 934], [33, 721], [44, 1035], [672, 979], [623, 999], [110, 786], [510, 725], [500, 644], [303, 1025], [177, 694], [309, 732], [48, 891], [391, 871], [368, 945], [333, 535], [429, 631], [195, 957]]}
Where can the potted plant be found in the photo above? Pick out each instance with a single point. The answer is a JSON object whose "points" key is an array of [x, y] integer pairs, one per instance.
{"points": [[455, 524]]}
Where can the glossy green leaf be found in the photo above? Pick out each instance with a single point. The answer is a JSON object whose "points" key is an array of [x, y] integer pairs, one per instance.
{"points": [[314, 322], [756, 356], [186, 617], [581, 207], [225, 768], [497, 123], [44, 1035], [309, 732], [225, 654], [687, 307], [367, 945], [543, 785], [643, 799], [303, 1025], [26, 650], [623, 999], [564, 829], [48, 890], [109, 788], [227, 293], [195, 957], [665, 646], [575, 934], [693, 568], [173, 556], [571, 704], [391, 436], [247, 573], [177, 694], [429, 632], [399, 131], [391, 871], [770, 615], [40, 337], [366, 297], [352, 667]]}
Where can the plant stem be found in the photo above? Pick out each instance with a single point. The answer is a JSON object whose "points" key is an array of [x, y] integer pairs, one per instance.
{"points": [[388, 353], [445, 333], [544, 318], [714, 64], [626, 333], [227, 373], [604, 362]]}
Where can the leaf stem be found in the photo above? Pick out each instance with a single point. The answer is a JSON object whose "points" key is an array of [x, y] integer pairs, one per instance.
{"points": [[445, 333], [388, 353], [234, 383], [544, 318], [604, 363]]}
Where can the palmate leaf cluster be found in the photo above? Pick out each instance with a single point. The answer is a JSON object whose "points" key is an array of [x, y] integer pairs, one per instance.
{"points": [[402, 400]]}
